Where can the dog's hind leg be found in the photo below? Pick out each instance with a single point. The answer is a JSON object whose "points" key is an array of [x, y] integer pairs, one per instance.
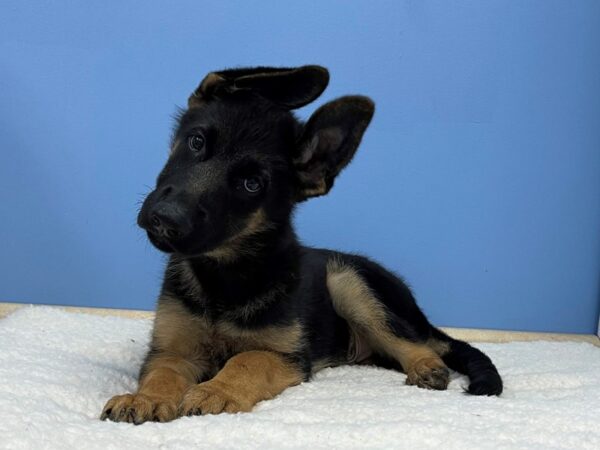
{"points": [[359, 294]]}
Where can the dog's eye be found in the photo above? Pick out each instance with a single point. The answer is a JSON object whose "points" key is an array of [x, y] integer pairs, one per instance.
{"points": [[196, 143], [253, 185]]}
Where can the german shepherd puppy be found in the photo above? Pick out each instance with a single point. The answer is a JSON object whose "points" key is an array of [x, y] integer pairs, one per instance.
{"points": [[245, 310]]}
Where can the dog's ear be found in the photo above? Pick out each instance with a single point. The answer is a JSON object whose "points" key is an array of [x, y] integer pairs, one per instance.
{"points": [[287, 87], [328, 143]]}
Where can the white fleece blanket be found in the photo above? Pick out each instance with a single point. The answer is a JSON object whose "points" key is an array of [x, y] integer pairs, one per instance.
{"points": [[57, 370]]}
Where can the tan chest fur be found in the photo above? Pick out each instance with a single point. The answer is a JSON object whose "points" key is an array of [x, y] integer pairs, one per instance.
{"points": [[207, 343]]}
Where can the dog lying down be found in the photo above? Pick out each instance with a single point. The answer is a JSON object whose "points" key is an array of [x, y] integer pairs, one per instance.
{"points": [[245, 311]]}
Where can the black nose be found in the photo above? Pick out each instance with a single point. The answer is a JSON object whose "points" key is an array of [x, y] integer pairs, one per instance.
{"points": [[168, 220]]}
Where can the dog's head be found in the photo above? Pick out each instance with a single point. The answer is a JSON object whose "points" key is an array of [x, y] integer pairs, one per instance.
{"points": [[240, 160]]}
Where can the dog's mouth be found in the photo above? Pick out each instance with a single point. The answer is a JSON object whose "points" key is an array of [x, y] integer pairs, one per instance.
{"points": [[182, 247], [167, 242], [162, 244]]}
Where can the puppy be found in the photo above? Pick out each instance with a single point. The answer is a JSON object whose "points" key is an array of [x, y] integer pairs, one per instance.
{"points": [[245, 310]]}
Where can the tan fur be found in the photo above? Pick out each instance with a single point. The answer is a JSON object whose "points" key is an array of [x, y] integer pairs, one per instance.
{"points": [[203, 342], [160, 392], [440, 347], [318, 188], [283, 339], [197, 97], [168, 374], [354, 301], [188, 347], [237, 244], [245, 380], [177, 332]]}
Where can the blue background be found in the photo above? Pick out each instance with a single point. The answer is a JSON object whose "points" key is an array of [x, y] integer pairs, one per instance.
{"points": [[479, 179]]}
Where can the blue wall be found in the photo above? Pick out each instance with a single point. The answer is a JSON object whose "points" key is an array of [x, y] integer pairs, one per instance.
{"points": [[479, 179]]}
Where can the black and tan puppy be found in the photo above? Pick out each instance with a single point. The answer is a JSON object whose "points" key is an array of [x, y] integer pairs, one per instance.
{"points": [[245, 310]]}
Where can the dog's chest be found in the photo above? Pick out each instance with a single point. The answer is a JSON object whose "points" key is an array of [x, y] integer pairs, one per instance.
{"points": [[223, 339], [209, 342], [220, 340]]}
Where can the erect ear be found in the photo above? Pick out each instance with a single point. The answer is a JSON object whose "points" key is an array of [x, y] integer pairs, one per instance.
{"points": [[328, 143], [287, 87]]}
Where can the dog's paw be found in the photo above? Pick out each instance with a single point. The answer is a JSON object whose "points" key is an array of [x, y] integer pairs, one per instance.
{"points": [[139, 408], [429, 374], [212, 397]]}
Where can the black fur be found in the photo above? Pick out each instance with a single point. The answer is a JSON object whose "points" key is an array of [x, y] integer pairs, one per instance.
{"points": [[241, 246]]}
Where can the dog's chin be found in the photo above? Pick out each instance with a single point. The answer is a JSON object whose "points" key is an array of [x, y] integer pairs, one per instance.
{"points": [[160, 244], [181, 248]]}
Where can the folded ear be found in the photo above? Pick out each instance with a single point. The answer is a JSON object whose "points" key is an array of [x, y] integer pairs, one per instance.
{"points": [[289, 88], [328, 143]]}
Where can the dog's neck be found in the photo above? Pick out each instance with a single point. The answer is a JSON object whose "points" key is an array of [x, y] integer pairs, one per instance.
{"points": [[223, 284], [252, 258]]}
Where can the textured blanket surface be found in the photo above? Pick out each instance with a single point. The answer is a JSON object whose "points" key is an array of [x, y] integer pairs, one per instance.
{"points": [[57, 370]]}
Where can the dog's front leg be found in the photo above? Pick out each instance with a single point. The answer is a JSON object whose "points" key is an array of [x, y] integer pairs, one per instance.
{"points": [[245, 380], [163, 381]]}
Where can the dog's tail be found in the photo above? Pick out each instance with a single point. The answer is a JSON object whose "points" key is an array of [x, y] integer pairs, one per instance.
{"points": [[484, 378]]}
